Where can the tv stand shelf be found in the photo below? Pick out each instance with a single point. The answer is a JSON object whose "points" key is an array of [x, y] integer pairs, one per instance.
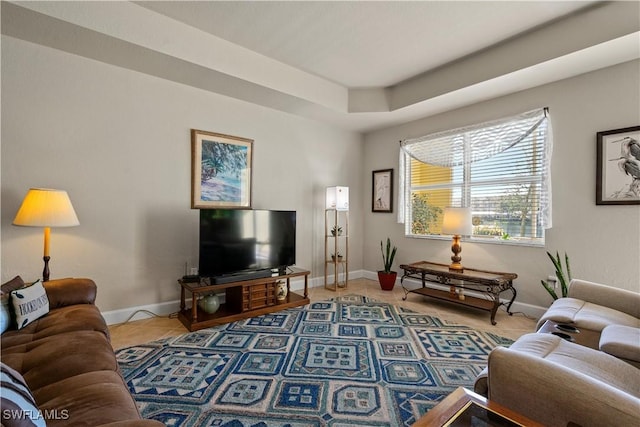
{"points": [[244, 299]]}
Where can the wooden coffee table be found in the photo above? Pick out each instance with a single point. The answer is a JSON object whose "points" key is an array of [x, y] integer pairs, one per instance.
{"points": [[585, 337]]}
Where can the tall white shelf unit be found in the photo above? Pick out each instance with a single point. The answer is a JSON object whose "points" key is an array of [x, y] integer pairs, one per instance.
{"points": [[336, 248]]}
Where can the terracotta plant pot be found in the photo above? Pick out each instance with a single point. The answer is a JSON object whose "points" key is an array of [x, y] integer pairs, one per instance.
{"points": [[387, 280]]}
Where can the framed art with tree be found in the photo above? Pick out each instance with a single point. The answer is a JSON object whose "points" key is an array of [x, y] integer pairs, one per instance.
{"points": [[220, 170]]}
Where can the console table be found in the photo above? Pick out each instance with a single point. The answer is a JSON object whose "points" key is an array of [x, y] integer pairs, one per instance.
{"points": [[244, 299], [489, 283]]}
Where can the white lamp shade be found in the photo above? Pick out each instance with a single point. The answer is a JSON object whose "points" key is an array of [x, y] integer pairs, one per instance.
{"points": [[44, 207], [457, 221], [338, 198]]}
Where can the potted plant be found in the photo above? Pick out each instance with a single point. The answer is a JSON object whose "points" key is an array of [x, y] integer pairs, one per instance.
{"points": [[560, 275], [386, 277], [336, 231], [336, 257]]}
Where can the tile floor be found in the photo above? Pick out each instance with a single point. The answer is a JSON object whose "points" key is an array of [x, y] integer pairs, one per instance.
{"points": [[142, 331]]}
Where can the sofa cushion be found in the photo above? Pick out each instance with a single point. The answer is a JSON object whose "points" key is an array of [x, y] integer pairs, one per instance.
{"points": [[29, 303], [61, 356], [18, 405], [91, 398], [70, 291], [586, 315], [81, 317], [582, 360]]}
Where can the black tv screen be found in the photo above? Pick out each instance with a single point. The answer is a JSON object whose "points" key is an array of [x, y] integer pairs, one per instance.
{"points": [[234, 241]]}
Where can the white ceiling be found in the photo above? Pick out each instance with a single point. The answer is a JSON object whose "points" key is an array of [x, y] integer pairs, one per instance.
{"points": [[365, 44], [358, 65]]}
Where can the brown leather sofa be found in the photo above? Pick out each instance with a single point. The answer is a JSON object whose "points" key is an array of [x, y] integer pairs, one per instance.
{"points": [[67, 361]]}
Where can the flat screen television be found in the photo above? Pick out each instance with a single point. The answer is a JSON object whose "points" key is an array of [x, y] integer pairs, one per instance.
{"points": [[233, 242]]}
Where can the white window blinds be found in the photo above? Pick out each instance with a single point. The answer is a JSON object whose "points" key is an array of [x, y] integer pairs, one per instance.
{"points": [[501, 169]]}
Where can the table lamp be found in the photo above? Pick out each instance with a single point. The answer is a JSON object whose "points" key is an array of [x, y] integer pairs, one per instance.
{"points": [[457, 221], [46, 208]]}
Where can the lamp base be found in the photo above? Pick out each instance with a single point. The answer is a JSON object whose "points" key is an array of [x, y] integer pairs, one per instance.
{"points": [[456, 248], [45, 272], [456, 268]]}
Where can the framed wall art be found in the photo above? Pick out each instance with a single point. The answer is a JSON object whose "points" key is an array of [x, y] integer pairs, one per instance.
{"points": [[220, 170], [618, 167], [382, 191]]}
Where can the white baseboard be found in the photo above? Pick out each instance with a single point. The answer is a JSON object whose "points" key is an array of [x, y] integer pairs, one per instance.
{"points": [[165, 308], [141, 312]]}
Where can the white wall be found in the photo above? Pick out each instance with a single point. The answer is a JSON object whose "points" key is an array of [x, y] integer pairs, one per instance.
{"points": [[603, 242], [118, 141]]}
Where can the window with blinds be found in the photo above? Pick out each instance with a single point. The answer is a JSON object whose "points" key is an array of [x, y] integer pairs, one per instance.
{"points": [[500, 169]]}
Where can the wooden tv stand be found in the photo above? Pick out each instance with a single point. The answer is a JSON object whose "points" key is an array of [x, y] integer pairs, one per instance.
{"points": [[248, 298]]}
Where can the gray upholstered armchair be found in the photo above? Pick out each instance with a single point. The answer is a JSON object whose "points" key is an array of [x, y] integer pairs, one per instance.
{"points": [[594, 306], [557, 382], [613, 312]]}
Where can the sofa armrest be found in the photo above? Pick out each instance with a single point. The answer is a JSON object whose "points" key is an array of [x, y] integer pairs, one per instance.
{"points": [[555, 395], [618, 299], [70, 291]]}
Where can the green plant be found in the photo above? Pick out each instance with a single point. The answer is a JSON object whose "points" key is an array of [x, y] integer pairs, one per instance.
{"points": [[563, 278], [388, 255]]}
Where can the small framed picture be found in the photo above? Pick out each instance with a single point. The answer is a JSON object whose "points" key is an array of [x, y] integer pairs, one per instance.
{"points": [[618, 167], [220, 170], [382, 191]]}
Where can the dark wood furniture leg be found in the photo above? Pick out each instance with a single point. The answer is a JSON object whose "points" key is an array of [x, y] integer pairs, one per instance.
{"points": [[194, 307], [513, 298]]}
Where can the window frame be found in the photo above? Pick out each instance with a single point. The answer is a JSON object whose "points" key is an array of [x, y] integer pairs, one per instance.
{"points": [[466, 185]]}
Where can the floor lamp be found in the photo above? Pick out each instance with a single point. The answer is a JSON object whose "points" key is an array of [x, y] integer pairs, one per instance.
{"points": [[46, 208]]}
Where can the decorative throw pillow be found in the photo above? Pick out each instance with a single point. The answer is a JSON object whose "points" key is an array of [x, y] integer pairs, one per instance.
{"points": [[11, 285], [29, 303], [5, 314], [18, 405]]}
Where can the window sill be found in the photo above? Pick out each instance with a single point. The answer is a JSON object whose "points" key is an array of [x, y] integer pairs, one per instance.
{"points": [[489, 240]]}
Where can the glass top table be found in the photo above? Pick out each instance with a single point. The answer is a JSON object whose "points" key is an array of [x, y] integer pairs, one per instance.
{"points": [[490, 284]]}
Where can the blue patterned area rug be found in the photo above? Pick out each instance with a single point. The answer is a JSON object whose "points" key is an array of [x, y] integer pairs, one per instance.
{"points": [[350, 361]]}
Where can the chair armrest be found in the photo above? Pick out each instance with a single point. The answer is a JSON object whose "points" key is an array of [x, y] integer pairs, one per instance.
{"points": [[555, 395], [70, 291], [623, 342], [618, 299]]}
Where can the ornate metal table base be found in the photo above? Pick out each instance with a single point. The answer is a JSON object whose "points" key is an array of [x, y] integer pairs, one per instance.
{"points": [[489, 283]]}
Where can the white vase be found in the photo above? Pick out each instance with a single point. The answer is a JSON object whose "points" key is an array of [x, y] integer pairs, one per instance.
{"points": [[281, 291], [209, 303]]}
